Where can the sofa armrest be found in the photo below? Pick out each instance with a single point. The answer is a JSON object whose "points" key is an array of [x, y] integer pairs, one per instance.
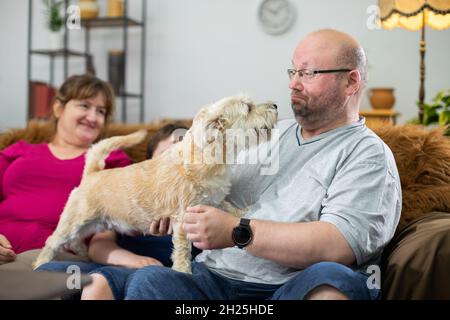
{"points": [[416, 263]]}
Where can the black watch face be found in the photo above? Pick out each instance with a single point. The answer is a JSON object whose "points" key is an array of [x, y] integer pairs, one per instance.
{"points": [[241, 235]]}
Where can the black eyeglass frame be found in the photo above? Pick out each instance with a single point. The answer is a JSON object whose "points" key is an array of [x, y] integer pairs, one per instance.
{"points": [[294, 71]]}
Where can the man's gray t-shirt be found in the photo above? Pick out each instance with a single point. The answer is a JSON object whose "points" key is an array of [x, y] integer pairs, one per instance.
{"points": [[346, 176]]}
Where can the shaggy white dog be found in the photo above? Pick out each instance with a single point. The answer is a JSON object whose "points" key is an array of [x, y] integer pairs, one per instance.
{"points": [[129, 199]]}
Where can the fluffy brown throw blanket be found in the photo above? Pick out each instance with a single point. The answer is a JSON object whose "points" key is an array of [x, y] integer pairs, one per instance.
{"points": [[423, 161]]}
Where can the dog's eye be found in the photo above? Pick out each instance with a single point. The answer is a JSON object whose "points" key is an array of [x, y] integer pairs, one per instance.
{"points": [[250, 107]]}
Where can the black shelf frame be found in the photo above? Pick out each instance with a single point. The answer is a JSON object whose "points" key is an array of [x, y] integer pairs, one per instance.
{"points": [[59, 53], [108, 22], [124, 22]]}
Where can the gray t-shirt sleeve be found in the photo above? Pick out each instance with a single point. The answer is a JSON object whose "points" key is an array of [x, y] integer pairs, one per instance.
{"points": [[364, 199]]}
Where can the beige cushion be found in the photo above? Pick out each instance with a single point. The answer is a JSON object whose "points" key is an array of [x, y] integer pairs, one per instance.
{"points": [[25, 259], [18, 281], [30, 285]]}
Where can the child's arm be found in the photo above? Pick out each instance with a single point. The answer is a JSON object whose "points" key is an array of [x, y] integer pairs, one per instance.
{"points": [[104, 249]]}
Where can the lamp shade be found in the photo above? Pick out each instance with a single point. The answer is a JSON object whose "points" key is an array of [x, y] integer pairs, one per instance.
{"points": [[408, 14]]}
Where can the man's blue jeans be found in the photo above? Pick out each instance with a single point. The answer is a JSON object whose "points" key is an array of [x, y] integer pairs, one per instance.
{"points": [[154, 282]]}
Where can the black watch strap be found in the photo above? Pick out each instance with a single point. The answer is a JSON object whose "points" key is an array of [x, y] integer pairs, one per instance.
{"points": [[244, 222]]}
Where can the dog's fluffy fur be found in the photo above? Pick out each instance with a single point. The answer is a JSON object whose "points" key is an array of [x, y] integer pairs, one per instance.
{"points": [[129, 199]]}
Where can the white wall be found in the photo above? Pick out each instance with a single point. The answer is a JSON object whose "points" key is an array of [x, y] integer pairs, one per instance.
{"points": [[201, 50], [13, 58]]}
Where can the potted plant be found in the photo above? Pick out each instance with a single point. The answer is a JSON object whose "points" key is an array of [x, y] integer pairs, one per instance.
{"points": [[54, 23], [436, 113], [439, 110]]}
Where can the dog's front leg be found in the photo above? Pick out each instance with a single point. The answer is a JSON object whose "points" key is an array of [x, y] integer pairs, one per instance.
{"points": [[61, 234], [181, 255], [228, 207]]}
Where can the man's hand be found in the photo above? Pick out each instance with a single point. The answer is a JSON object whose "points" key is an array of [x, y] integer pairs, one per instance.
{"points": [[208, 227], [161, 227], [6, 252]]}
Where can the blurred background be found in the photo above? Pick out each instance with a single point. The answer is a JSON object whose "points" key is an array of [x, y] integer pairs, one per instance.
{"points": [[197, 51]]}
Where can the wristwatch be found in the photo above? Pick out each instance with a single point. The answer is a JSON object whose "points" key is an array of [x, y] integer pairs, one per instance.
{"points": [[242, 234]]}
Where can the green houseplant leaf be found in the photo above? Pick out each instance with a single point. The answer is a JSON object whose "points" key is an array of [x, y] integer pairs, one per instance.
{"points": [[439, 110], [444, 117], [54, 19]]}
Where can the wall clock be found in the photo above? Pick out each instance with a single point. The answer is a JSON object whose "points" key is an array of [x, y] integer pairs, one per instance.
{"points": [[276, 16]]}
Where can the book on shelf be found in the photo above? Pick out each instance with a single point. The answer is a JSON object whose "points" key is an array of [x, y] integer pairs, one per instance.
{"points": [[42, 96]]}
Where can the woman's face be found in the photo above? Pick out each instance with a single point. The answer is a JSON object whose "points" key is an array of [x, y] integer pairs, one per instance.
{"points": [[81, 121]]}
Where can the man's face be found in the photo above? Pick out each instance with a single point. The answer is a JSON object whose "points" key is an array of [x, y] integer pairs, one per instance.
{"points": [[322, 99]]}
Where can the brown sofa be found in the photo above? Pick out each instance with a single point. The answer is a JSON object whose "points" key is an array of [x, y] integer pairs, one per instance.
{"points": [[416, 262]]}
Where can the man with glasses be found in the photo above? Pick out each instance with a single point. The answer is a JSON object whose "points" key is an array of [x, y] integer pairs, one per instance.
{"points": [[316, 228]]}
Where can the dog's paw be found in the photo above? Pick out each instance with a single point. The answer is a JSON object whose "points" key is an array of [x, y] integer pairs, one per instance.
{"points": [[36, 264], [39, 262]]}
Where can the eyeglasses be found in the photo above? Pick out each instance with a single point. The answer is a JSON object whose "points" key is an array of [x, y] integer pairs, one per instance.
{"points": [[307, 75]]}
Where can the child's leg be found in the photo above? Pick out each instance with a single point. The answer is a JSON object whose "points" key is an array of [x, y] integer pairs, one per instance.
{"points": [[98, 290], [108, 283]]}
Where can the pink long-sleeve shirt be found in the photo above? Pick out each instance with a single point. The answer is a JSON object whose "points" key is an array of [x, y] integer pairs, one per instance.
{"points": [[34, 187]]}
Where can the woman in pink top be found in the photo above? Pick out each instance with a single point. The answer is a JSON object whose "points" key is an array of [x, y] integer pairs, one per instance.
{"points": [[36, 180]]}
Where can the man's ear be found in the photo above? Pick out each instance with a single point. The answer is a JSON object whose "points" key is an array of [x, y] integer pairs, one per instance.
{"points": [[354, 82], [57, 109]]}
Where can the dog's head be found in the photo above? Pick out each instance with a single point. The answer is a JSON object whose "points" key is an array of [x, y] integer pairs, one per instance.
{"points": [[236, 112], [223, 128]]}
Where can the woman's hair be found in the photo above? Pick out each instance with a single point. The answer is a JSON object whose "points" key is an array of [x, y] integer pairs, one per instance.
{"points": [[160, 135], [86, 86]]}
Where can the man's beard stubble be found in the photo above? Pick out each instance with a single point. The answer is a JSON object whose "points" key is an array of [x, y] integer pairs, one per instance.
{"points": [[323, 110]]}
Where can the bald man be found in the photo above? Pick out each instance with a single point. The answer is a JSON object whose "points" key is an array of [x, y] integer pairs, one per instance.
{"points": [[315, 229]]}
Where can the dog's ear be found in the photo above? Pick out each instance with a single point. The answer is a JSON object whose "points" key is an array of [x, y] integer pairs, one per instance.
{"points": [[214, 128], [219, 123]]}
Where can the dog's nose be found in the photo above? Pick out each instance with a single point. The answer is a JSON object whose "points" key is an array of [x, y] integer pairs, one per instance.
{"points": [[275, 106]]}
